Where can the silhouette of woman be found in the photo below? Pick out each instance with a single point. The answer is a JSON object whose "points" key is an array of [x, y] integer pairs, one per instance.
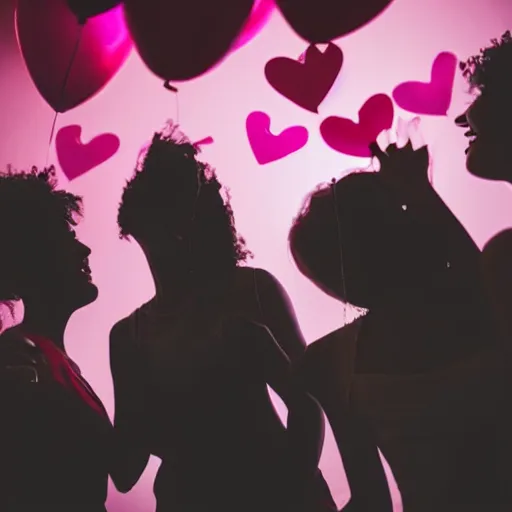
{"points": [[191, 366], [54, 430], [420, 369], [487, 120]]}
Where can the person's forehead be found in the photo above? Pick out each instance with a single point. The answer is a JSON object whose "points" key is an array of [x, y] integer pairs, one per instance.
{"points": [[58, 227]]}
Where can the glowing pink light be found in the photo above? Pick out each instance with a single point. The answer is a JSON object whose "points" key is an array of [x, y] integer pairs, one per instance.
{"points": [[260, 15], [110, 28]]}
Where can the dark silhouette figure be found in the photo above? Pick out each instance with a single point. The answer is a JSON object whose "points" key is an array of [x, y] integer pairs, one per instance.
{"points": [[487, 118], [421, 370], [54, 431], [487, 121], [489, 75], [191, 366]]}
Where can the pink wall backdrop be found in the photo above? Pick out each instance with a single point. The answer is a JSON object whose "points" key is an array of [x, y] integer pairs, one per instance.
{"points": [[399, 46]]}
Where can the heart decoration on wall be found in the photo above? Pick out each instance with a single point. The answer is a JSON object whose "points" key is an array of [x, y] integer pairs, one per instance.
{"points": [[430, 98], [76, 158], [350, 138], [306, 83], [268, 147]]}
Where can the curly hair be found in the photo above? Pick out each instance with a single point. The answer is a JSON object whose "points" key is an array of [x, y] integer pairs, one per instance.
{"points": [[29, 200], [173, 190], [491, 69]]}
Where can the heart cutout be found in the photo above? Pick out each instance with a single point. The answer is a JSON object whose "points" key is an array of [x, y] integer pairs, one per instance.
{"points": [[76, 158], [306, 82], [350, 138], [268, 147], [430, 98]]}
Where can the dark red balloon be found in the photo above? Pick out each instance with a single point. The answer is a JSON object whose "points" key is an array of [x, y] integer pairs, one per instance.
{"points": [[84, 9], [321, 21], [48, 33], [182, 39]]}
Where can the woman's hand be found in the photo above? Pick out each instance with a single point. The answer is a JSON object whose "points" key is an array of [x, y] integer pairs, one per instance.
{"points": [[405, 164]]}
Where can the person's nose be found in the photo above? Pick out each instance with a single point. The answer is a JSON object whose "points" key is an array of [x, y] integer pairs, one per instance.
{"points": [[462, 121]]}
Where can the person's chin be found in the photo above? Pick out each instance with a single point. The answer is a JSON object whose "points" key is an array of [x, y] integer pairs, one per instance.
{"points": [[89, 295], [483, 165]]}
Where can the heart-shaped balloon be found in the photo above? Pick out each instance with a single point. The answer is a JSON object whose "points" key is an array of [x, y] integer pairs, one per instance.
{"points": [[350, 138], [306, 83], [268, 147], [321, 21], [77, 158], [49, 33], [181, 40]]}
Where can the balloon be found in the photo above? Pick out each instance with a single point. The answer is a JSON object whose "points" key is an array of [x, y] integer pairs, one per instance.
{"points": [[260, 15], [47, 35], [182, 39], [321, 21], [84, 9]]}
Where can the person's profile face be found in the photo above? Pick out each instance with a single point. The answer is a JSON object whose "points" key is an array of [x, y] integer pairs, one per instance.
{"points": [[60, 273], [486, 123]]}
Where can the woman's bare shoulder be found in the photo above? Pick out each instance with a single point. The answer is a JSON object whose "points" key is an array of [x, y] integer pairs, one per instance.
{"points": [[252, 281], [244, 284]]}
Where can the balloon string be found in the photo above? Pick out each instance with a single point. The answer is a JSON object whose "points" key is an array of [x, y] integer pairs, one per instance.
{"points": [[340, 247], [64, 86], [172, 88], [52, 131]]}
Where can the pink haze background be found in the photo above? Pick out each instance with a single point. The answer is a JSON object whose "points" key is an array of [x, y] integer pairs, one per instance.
{"points": [[399, 46]]}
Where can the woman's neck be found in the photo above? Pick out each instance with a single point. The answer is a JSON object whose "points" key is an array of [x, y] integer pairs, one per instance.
{"points": [[49, 325]]}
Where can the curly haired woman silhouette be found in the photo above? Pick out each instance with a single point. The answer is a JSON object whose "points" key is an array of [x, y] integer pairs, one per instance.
{"points": [[421, 370], [191, 366], [54, 431]]}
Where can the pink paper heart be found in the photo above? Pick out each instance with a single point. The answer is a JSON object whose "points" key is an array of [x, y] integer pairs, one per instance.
{"points": [[306, 83], [352, 138], [76, 158], [268, 147], [434, 97]]}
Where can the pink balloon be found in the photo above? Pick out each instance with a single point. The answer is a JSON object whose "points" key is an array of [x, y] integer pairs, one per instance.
{"points": [[48, 32], [268, 147], [260, 15]]}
